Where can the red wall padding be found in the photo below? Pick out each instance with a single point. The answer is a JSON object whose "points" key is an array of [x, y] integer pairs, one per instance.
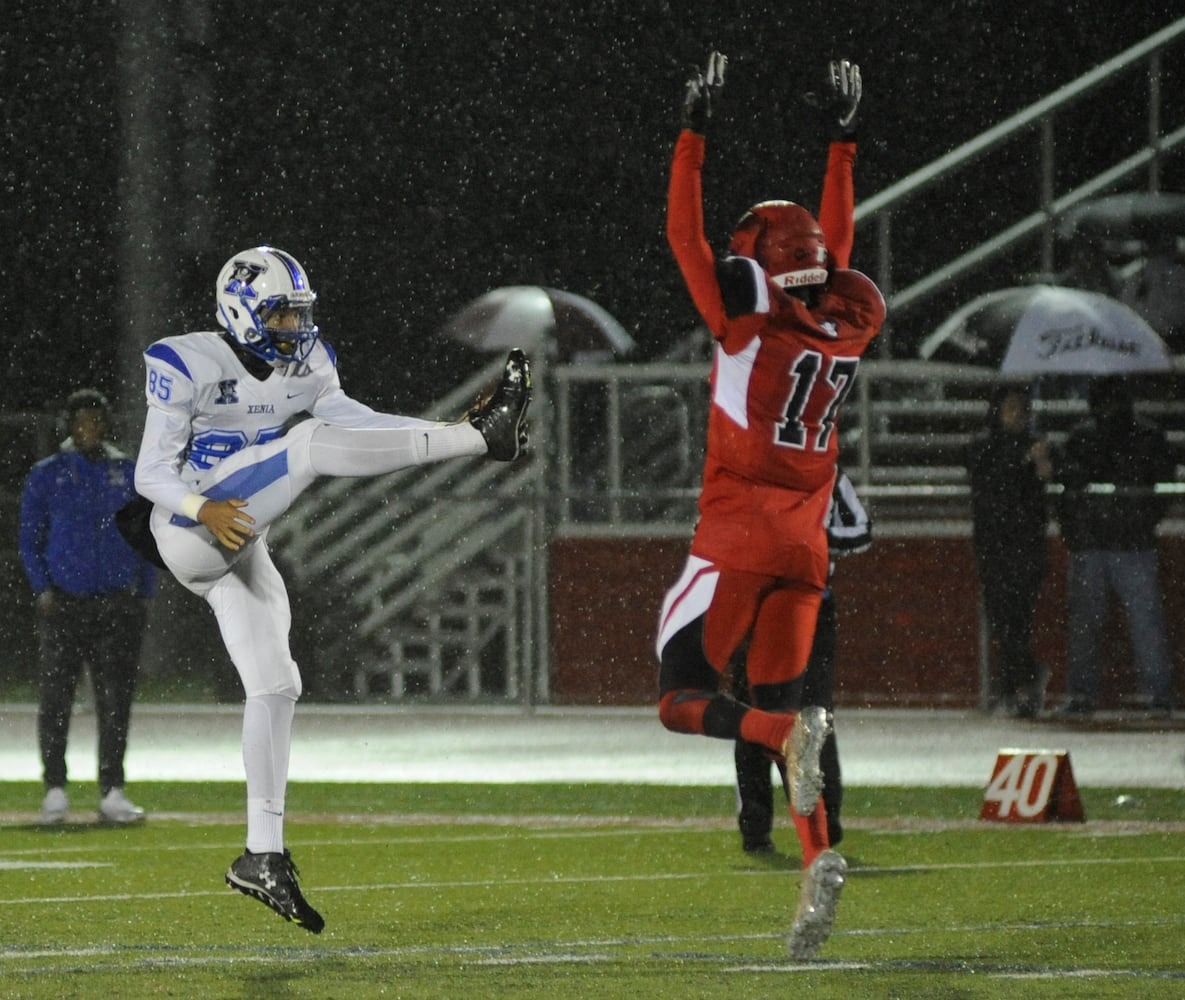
{"points": [[907, 622]]}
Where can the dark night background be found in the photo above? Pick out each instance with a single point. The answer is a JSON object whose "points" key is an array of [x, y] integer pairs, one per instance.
{"points": [[416, 155]]}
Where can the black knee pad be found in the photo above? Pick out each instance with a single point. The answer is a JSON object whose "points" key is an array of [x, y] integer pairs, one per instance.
{"points": [[777, 697], [684, 665]]}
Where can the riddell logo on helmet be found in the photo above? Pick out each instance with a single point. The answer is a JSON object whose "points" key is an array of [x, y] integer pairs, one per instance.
{"points": [[808, 275], [796, 279]]}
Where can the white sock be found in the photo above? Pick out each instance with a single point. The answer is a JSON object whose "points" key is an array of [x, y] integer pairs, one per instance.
{"points": [[267, 741], [449, 441], [265, 826]]}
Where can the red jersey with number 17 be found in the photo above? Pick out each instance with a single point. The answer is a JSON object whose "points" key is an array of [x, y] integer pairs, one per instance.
{"points": [[780, 375]]}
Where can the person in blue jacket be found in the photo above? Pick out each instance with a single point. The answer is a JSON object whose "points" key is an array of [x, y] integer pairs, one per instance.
{"points": [[91, 594]]}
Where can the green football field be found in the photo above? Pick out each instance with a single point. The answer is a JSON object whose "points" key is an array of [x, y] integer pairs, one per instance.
{"points": [[589, 891]]}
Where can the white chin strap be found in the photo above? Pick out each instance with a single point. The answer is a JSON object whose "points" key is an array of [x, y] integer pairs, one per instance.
{"points": [[796, 279]]}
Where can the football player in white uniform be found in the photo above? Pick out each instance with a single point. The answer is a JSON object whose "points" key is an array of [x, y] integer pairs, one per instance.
{"points": [[219, 467]]}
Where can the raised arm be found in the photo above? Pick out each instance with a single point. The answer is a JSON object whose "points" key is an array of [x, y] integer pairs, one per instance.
{"points": [[685, 207], [839, 103], [837, 209]]}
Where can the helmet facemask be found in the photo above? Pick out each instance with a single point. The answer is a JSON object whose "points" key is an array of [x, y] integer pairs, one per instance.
{"points": [[287, 328]]}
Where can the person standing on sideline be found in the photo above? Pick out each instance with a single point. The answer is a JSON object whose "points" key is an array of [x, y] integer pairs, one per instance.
{"points": [[849, 532], [219, 468], [1109, 513], [790, 326], [91, 596], [1007, 468]]}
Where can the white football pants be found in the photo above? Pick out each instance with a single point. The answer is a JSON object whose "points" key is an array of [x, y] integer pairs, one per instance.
{"points": [[246, 591]]}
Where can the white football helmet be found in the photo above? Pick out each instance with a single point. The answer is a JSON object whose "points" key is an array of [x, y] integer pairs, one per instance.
{"points": [[263, 284]]}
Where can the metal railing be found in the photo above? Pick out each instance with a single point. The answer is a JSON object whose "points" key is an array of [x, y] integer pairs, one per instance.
{"points": [[619, 471], [1040, 118]]}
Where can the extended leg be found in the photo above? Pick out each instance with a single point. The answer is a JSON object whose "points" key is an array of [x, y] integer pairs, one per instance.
{"points": [[271, 476]]}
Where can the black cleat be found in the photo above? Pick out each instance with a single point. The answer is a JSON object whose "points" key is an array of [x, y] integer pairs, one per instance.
{"points": [[501, 416], [271, 878]]}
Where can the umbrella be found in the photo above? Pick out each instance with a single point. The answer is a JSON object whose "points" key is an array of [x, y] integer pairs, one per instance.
{"points": [[1049, 330], [572, 327]]}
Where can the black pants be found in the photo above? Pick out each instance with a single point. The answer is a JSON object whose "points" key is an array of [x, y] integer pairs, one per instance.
{"points": [[755, 813], [1011, 585], [103, 633]]}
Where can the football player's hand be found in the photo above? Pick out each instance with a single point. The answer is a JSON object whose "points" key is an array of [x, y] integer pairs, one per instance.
{"points": [[839, 100], [228, 522], [703, 93]]}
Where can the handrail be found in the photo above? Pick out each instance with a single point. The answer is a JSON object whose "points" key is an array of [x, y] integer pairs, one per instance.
{"points": [[1031, 223], [1050, 206], [994, 137]]}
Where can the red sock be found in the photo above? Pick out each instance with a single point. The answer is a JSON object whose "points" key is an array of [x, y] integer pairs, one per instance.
{"points": [[812, 832], [682, 715], [769, 729]]}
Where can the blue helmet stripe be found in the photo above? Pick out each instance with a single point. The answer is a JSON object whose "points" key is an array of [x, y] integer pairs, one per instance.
{"points": [[294, 271]]}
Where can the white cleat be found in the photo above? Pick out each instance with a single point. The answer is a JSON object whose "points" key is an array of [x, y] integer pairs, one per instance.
{"points": [[54, 806], [801, 750], [822, 883], [116, 808]]}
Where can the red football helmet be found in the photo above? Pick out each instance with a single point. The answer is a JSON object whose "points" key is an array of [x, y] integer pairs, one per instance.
{"points": [[785, 240]]}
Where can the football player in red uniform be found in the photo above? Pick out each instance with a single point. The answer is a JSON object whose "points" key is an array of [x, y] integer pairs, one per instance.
{"points": [[790, 323]]}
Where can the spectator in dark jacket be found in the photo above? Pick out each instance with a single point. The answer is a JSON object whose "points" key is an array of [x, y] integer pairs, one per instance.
{"points": [[90, 591], [1008, 467], [1109, 512]]}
